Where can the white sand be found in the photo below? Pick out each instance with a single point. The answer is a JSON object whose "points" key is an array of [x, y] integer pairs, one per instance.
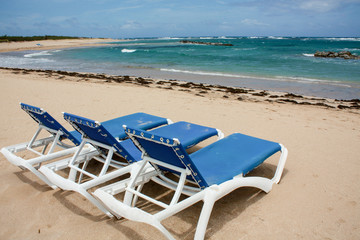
{"points": [[52, 44], [318, 197]]}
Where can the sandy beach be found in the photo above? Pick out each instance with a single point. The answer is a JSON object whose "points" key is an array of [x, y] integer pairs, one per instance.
{"points": [[317, 198], [52, 44]]}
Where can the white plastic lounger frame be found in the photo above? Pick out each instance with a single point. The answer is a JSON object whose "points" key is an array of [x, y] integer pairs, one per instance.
{"points": [[33, 164], [209, 195], [54, 140], [75, 180]]}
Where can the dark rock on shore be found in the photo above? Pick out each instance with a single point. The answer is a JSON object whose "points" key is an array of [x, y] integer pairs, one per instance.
{"points": [[291, 95], [207, 43], [261, 94], [342, 54]]}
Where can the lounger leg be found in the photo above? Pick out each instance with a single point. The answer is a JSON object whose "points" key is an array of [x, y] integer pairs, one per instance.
{"points": [[39, 175], [42, 177], [139, 188], [44, 149], [83, 168], [209, 201], [73, 172], [137, 168], [107, 162], [94, 201], [57, 137], [164, 231], [34, 137], [281, 164]]}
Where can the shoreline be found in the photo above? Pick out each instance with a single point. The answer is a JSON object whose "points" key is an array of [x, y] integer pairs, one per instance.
{"points": [[299, 87], [200, 89], [53, 44]]}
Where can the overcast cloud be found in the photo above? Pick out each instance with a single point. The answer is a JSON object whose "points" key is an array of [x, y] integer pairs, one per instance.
{"points": [[160, 18]]}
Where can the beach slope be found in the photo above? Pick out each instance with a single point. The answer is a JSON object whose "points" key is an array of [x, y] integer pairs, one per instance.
{"points": [[317, 198]]}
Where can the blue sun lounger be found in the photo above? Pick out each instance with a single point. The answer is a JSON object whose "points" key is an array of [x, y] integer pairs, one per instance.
{"points": [[215, 171], [39, 146], [58, 136], [80, 179]]}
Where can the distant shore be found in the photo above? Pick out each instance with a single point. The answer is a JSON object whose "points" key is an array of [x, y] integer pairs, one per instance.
{"points": [[53, 44]]}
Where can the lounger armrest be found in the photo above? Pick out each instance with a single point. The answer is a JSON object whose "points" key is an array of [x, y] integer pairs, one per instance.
{"points": [[220, 134]]}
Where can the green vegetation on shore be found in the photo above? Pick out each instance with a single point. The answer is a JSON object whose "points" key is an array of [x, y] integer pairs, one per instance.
{"points": [[6, 38]]}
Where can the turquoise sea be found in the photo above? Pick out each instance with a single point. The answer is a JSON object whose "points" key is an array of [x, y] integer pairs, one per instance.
{"points": [[267, 63]]}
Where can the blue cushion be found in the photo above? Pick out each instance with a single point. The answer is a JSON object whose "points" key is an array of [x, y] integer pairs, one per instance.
{"points": [[107, 131], [231, 156], [142, 121], [188, 134]]}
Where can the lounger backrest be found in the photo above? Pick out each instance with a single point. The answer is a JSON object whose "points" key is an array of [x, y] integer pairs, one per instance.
{"points": [[45, 119], [96, 131], [166, 150]]}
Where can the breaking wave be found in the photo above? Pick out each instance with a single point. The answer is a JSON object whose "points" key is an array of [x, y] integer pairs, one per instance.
{"points": [[128, 50]]}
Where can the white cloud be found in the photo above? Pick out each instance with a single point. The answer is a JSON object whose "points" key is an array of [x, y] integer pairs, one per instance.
{"points": [[319, 5], [284, 6], [253, 22], [130, 24], [324, 5]]}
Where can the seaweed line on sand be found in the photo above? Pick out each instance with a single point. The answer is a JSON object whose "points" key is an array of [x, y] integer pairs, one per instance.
{"points": [[200, 89]]}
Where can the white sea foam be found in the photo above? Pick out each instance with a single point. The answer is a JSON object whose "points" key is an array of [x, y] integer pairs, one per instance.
{"points": [[244, 49], [201, 73], [279, 38], [42, 53], [276, 78], [342, 39], [169, 38], [349, 49], [224, 37], [313, 81], [13, 61], [308, 54], [216, 74], [128, 50], [208, 73], [37, 54], [332, 39]]}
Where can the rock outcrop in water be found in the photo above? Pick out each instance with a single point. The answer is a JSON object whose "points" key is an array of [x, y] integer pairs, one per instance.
{"points": [[207, 43], [342, 54]]}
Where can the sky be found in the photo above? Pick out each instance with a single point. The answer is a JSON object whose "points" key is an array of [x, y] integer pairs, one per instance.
{"points": [[175, 18]]}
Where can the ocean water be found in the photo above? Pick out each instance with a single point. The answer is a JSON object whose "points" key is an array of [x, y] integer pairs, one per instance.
{"points": [[268, 63]]}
